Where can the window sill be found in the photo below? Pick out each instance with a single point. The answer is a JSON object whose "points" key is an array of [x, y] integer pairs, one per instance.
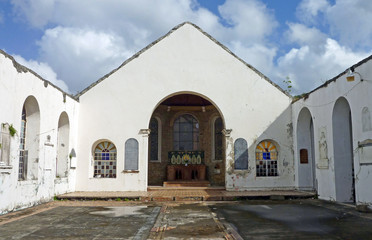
{"points": [[130, 171], [155, 161], [6, 169], [28, 182]]}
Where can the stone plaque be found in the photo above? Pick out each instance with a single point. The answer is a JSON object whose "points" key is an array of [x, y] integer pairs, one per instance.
{"points": [[240, 154], [131, 155]]}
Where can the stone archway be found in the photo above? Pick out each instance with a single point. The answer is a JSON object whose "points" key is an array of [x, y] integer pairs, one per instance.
{"points": [[197, 146]]}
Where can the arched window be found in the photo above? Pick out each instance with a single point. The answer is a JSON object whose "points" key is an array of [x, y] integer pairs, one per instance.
{"points": [[22, 170], [154, 139], [29, 140], [217, 139], [105, 160], [266, 159], [186, 133]]}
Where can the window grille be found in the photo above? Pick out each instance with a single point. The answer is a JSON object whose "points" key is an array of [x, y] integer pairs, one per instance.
{"points": [[154, 139], [22, 170], [23, 154], [218, 139], [186, 133]]}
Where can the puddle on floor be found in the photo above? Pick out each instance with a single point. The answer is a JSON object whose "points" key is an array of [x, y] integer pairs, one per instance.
{"points": [[120, 211]]}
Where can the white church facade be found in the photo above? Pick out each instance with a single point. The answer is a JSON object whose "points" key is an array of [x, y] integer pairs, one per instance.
{"points": [[183, 109]]}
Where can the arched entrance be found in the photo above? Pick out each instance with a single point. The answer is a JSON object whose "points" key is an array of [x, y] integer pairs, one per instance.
{"points": [[305, 151], [343, 151], [186, 142]]}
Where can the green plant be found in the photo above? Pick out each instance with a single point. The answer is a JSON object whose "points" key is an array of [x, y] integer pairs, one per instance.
{"points": [[288, 83], [12, 130], [118, 199]]}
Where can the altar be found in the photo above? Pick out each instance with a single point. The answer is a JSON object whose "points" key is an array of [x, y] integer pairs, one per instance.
{"points": [[186, 166]]}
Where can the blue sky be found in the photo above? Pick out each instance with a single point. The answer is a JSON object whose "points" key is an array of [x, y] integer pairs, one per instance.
{"points": [[74, 43]]}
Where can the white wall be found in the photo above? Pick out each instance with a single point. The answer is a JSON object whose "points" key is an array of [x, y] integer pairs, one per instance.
{"points": [[321, 103], [186, 61], [16, 84]]}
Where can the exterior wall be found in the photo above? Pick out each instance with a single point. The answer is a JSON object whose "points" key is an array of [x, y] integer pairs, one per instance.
{"points": [[16, 84], [321, 103], [186, 61]]}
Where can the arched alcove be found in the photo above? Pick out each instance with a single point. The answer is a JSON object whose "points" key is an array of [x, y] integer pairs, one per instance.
{"points": [[305, 151], [187, 132], [343, 151], [63, 145]]}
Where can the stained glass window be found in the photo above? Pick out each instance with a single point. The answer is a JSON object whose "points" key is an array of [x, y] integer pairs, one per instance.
{"points": [[105, 160], [266, 159], [218, 139], [154, 139], [186, 133]]}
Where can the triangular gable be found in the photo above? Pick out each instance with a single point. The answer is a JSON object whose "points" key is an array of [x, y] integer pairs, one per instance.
{"points": [[166, 35]]}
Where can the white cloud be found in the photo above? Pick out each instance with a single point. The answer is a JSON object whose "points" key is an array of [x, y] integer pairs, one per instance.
{"points": [[44, 70], [308, 69], [82, 55], [305, 36], [350, 20], [257, 55], [37, 12], [251, 20], [308, 10]]}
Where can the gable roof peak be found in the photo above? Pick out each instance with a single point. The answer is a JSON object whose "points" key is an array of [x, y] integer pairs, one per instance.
{"points": [[168, 34]]}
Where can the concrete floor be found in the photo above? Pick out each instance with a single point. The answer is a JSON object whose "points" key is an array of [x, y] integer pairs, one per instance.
{"points": [[290, 219]]}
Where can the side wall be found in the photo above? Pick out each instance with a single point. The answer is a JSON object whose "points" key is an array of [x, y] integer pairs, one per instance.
{"points": [[321, 104], [16, 84]]}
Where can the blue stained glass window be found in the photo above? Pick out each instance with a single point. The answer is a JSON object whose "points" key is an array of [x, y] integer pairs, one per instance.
{"points": [[266, 155], [105, 156]]}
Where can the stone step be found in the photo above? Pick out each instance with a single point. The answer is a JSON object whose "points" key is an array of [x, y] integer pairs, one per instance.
{"points": [[186, 184]]}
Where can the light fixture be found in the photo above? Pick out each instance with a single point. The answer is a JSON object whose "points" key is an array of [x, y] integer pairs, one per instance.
{"points": [[350, 77]]}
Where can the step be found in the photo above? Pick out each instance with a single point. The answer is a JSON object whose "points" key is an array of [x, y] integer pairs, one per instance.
{"points": [[186, 184]]}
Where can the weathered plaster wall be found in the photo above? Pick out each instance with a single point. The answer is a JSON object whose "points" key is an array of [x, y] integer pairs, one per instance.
{"points": [[16, 84], [186, 61], [321, 103]]}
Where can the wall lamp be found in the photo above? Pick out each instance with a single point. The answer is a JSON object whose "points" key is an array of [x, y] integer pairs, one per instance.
{"points": [[350, 77]]}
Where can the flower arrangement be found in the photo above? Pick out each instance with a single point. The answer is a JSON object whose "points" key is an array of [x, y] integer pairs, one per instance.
{"points": [[186, 159]]}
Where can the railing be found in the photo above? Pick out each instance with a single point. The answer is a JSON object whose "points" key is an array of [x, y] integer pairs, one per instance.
{"points": [[186, 157], [23, 159]]}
